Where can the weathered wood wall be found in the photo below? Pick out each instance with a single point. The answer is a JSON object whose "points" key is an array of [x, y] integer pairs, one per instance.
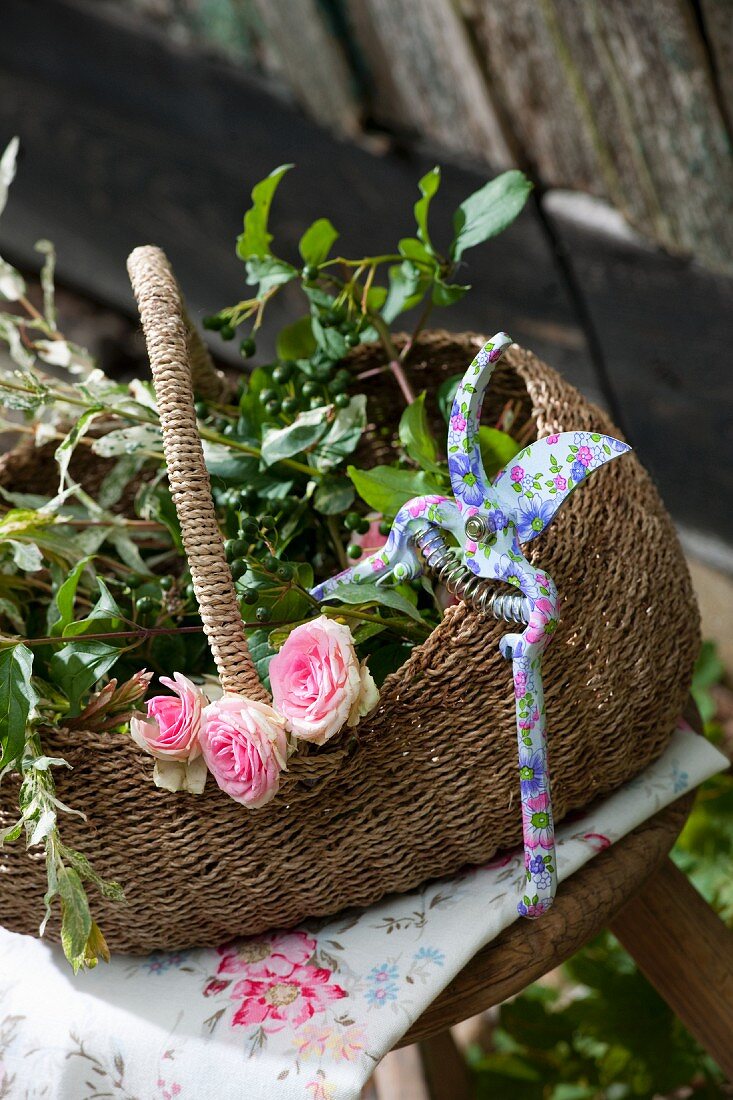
{"points": [[129, 138], [631, 102]]}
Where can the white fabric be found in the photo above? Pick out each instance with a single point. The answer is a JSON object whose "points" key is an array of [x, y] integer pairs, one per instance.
{"points": [[186, 1025]]}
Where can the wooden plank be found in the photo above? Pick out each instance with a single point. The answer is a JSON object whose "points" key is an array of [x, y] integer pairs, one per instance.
{"points": [[718, 26], [442, 91], [400, 1075], [150, 143], [312, 61], [663, 326], [686, 952], [446, 1071], [643, 128], [584, 905]]}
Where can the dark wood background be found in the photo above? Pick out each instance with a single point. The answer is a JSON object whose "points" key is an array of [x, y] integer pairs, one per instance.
{"points": [[128, 138]]}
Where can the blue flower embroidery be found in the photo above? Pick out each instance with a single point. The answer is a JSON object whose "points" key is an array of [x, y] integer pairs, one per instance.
{"points": [[430, 954], [578, 471], [534, 516], [383, 973], [158, 963], [472, 489], [531, 776], [380, 994]]}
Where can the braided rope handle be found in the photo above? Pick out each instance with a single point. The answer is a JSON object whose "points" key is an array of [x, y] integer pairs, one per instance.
{"points": [[173, 348]]}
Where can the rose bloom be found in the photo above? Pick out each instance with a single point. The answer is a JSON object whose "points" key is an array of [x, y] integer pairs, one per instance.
{"points": [[170, 733], [245, 748], [317, 683]]}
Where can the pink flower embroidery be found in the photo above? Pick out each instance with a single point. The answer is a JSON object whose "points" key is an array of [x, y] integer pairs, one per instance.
{"points": [[584, 455], [597, 841], [542, 621], [278, 953], [552, 439], [458, 423], [560, 483], [516, 473], [471, 547], [538, 829], [279, 1001]]}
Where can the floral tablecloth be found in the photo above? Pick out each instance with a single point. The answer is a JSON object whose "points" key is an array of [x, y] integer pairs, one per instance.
{"points": [[300, 1014]]}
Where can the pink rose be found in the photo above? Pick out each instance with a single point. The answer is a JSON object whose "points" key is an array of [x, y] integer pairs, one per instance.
{"points": [[317, 682], [174, 721], [516, 473], [171, 732], [245, 748]]}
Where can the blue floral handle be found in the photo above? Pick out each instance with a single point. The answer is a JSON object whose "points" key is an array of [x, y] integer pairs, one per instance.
{"points": [[489, 520]]}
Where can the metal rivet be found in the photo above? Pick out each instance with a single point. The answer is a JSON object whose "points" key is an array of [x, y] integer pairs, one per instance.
{"points": [[476, 528]]}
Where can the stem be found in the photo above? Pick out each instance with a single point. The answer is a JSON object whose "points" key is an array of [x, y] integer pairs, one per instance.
{"points": [[336, 540], [394, 364], [422, 321]]}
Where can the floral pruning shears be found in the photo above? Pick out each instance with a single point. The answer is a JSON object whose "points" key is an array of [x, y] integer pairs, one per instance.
{"points": [[489, 519]]}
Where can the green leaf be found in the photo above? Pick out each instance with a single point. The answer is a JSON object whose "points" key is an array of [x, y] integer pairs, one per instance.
{"points": [[407, 286], [306, 429], [386, 489], [333, 496], [417, 438], [317, 241], [78, 666], [63, 602], [343, 435], [445, 294], [428, 185], [329, 338], [76, 920], [261, 653], [446, 393], [383, 594], [267, 272], [65, 449], [497, 448], [413, 249], [255, 240], [489, 210], [296, 341], [17, 696], [105, 616], [127, 441], [26, 555]]}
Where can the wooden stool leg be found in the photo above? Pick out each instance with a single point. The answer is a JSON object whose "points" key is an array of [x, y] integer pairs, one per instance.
{"points": [[686, 952], [447, 1074]]}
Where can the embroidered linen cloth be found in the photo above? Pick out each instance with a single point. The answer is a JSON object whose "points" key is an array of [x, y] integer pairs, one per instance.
{"points": [[299, 1014]]}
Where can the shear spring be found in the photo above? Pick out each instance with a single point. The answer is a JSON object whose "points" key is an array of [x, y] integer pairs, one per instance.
{"points": [[447, 568]]}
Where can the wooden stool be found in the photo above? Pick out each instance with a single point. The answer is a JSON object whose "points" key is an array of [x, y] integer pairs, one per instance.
{"points": [[679, 943]]}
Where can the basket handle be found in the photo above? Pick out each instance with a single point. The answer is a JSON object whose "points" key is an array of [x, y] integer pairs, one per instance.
{"points": [[175, 352]]}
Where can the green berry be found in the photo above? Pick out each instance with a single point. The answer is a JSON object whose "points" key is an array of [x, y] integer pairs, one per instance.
{"points": [[201, 409], [285, 571], [341, 400], [323, 371], [190, 592], [363, 526], [385, 527], [146, 604], [352, 339], [343, 377], [166, 583], [250, 528], [135, 580], [271, 562], [250, 595], [310, 389], [354, 551], [267, 523], [273, 407], [247, 348], [283, 372], [290, 405], [309, 273], [352, 521], [263, 614], [268, 395], [239, 568], [236, 548], [315, 402], [212, 323], [227, 331]]}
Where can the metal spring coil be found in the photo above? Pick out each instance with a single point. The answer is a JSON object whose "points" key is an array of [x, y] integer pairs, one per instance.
{"points": [[446, 567]]}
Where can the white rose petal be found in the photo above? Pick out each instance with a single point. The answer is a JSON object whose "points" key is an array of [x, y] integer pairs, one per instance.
{"points": [[368, 696], [170, 775], [195, 778]]}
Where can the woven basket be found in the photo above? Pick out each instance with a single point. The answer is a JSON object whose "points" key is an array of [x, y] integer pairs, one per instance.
{"points": [[431, 784]]}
